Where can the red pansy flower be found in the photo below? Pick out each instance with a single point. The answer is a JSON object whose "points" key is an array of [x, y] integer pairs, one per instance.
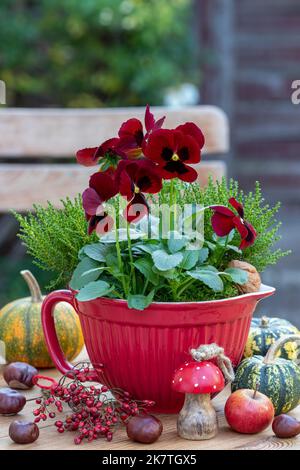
{"points": [[102, 186], [174, 149], [132, 135], [224, 220], [135, 178], [110, 148]]}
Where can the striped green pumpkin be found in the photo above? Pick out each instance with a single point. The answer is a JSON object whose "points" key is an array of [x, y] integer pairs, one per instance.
{"points": [[22, 334], [277, 378], [265, 331]]}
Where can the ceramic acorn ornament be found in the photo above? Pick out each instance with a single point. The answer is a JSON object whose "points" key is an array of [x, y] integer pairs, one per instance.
{"points": [[199, 379]]}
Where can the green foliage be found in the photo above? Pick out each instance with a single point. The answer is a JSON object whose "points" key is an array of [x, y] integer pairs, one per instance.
{"points": [[140, 269], [93, 53], [54, 237], [263, 218]]}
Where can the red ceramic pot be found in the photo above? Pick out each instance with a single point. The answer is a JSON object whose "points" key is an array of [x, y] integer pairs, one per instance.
{"points": [[140, 350]]}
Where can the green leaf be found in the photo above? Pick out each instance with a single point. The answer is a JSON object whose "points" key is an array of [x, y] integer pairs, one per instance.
{"points": [[163, 261], [234, 248], [145, 265], [93, 290], [190, 259], [209, 278], [169, 274], [140, 302], [222, 240], [84, 273], [176, 244], [237, 275], [96, 251], [203, 255]]}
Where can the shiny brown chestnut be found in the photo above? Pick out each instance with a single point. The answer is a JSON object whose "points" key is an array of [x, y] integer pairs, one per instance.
{"points": [[144, 428], [11, 401], [285, 426], [23, 432], [19, 375]]}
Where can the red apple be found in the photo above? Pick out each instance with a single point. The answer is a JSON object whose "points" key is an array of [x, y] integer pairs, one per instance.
{"points": [[249, 411]]}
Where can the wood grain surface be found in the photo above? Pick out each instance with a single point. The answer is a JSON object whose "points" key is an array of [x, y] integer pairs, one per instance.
{"points": [[225, 439], [61, 132], [24, 184]]}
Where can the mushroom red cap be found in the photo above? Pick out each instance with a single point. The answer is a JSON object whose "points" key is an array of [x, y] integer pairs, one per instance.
{"points": [[198, 377]]}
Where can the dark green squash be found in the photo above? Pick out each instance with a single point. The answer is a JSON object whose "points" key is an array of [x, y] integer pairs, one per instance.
{"points": [[277, 378], [265, 331]]}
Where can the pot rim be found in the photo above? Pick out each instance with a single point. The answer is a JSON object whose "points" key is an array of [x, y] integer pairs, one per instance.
{"points": [[264, 291]]}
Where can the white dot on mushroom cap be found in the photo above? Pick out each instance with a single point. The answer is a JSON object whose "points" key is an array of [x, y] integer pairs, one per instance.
{"points": [[207, 365], [196, 385], [181, 368], [214, 387], [180, 380], [204, 377], [198, 368], [173, 381], [186, 364], [217, 372]]}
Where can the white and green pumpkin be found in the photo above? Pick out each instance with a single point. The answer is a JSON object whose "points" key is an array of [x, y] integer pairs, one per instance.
{"points": [[265, 331], [274, 376]]}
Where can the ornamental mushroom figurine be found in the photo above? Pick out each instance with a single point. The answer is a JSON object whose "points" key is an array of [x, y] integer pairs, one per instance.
{"points": [[197, 419], [199, 379]]}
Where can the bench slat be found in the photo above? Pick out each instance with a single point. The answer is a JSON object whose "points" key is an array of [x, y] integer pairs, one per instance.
{"points": [[22, 185], [60, 132]]}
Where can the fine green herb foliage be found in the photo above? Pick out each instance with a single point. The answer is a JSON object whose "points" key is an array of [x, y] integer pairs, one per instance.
{"points": [[54, 237], [127, 265]]}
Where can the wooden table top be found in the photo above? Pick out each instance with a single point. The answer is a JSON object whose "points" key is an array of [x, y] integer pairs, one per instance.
{"points": [[225, 440]]}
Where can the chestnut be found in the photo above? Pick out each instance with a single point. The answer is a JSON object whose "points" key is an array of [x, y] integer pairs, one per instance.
{"points": [[144, 428], [23, 432], [19, 375], [285, 426], [11, 401]]}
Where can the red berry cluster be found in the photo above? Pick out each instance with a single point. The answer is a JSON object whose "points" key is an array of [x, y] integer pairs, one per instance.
{"points": [[96, 410]]}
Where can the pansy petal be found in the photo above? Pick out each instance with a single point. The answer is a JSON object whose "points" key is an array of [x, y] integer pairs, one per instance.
{"points": [[149, 119], [87, 157], [250, 238], [133, 127], [91, 201], [160, 142], [221, 224], [240, 226], [191, 129], [189, 175], [104, 184], [223, 210], [136, 209], [237, 206]]}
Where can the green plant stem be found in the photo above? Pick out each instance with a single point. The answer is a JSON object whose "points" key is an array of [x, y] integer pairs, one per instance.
{"points": [[222, 252], [119, 256], [145, 286], [184, 286], [172, 204], [132, 269]]}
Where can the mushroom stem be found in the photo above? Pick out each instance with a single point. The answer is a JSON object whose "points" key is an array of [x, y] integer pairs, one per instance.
{"points": [[197, 419]]}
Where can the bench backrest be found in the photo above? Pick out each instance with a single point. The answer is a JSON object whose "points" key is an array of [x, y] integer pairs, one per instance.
{"points": [[33, 143]]}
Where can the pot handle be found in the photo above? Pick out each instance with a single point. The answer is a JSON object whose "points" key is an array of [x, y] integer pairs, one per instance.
{"points": [[48, 324]]}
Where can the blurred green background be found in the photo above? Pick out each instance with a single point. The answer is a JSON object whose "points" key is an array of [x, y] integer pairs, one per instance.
{"points": [[94, 53], [88, 53]]}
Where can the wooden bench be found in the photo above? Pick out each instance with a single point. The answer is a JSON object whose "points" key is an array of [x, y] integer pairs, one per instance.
{"points": [[38, 146]]}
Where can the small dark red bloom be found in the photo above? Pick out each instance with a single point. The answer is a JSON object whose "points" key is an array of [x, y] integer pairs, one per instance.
{"points": [[174, 150], [87, 157], [135, 178], [224, 220], [132, 135], [102, 186]]}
